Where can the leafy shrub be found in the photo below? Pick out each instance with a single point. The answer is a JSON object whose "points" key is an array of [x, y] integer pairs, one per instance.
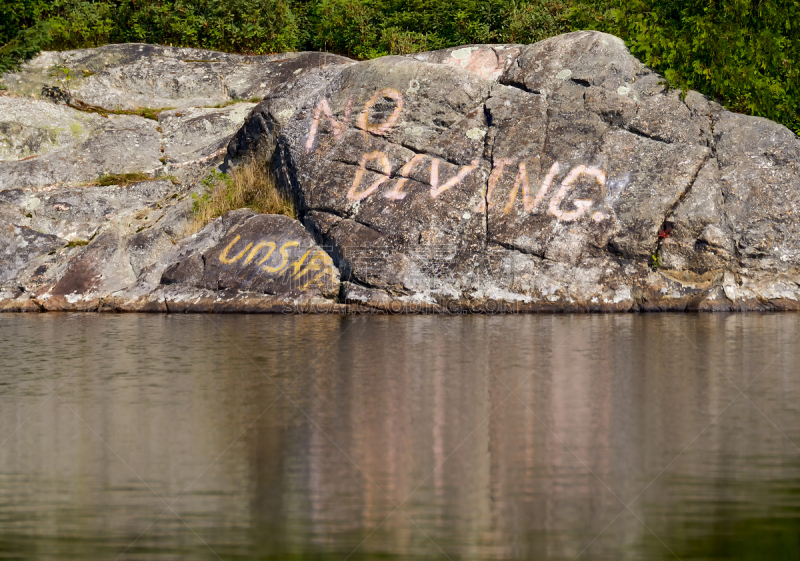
{"points": [[251, 26], [400, 42], [349, 27], [24, 46], [23, 32], [743, 52], [371, 28], [80, 24], [529, 22]]}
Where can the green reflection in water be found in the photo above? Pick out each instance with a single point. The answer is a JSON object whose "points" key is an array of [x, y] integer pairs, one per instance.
{"points": [[730, 530]]}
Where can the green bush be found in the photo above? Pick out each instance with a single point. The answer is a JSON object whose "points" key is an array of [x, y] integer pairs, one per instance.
{"points": [[251, 26], [348, 27], [743, 52], [529, 22], [24, 46], [371, 28], [23, 32]]}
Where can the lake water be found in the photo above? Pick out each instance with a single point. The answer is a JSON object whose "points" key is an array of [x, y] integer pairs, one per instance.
{"points": [[542, 437]]}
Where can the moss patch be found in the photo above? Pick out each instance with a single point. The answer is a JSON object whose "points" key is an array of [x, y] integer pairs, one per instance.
{"points": [[146, 112], [233, 102], [121, 179], [128, 178]]}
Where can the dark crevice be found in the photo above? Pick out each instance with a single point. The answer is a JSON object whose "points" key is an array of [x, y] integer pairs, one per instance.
{"points": [[59, 96], [613, 248], [526, 90], [666, 224], [352, 219], [396, 175], [284, 170], [513, 247], [166, 305], [388, 291], [416, 151], [663, 232], [488, 151], [349, 128], [327, 210], [688, 189], [702, 245], [641, 134], [364, 284], [367, 225], [519, 86], [682, 97], [584, 83], [711, 142], [325, 241], [497, 58]]}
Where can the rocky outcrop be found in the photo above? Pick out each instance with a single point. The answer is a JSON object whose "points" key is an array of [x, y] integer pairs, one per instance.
{"points": [[165, 115], [242, 262], [559, 176]]}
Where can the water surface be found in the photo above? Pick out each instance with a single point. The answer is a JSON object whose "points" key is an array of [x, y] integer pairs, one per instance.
{"points": [[329, 438]]}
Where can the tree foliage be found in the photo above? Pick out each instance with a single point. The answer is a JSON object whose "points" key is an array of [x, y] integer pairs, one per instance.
{"points": [[252, 26], [23, 32], [370, 28], [743, 52]]}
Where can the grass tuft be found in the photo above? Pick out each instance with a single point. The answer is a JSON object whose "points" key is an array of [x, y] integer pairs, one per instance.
{"points": [[145, 112], [124, 179], [249, 185], [233, 101], [120, 179]]}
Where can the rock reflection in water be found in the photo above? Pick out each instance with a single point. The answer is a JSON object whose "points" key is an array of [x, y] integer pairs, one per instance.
{"points": [[508, 437]]}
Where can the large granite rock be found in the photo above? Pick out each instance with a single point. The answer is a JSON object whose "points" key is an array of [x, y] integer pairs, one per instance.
{"points": [[558, 176], [70, 117], [63, 146], [133, 75], [243, 261]]}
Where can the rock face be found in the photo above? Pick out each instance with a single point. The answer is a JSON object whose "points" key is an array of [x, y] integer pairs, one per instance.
{"points": [[558, 176]]}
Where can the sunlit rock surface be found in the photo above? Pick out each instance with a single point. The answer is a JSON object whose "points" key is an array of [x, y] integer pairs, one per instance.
{"points": [[559, 176]]}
